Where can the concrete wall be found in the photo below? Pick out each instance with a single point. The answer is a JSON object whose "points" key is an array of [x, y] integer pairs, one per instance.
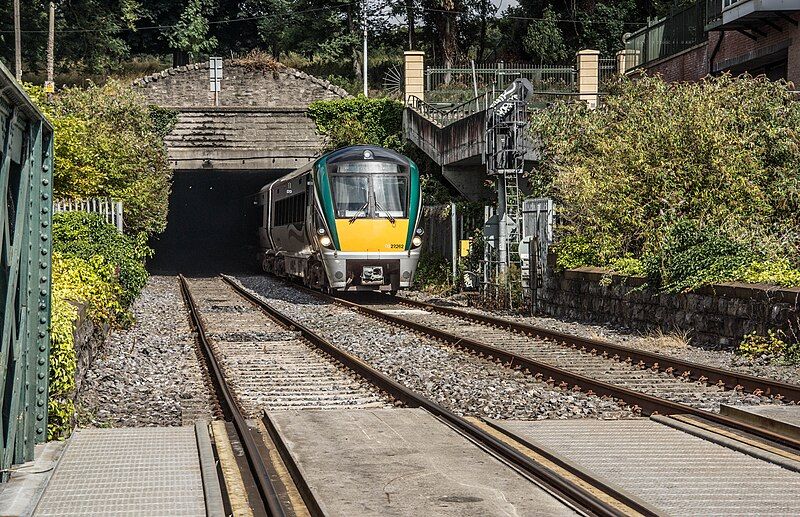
{"points": [[188, 86], [718, 314], [736, 52]]}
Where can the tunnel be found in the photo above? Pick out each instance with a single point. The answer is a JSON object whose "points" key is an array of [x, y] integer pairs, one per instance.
{"points": [[211, 223]]}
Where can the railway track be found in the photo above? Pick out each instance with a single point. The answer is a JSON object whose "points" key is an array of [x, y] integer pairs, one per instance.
{"points": [[216, 307], [652, 383]]}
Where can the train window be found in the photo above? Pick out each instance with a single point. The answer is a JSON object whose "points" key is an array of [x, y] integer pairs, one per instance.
{"points": [[290, 210], [351, 195], [390, 195]]}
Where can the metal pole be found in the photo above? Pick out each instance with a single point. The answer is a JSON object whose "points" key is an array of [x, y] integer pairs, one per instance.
{"points": [[502, 231], [454, 238], [51, 43], [17, 43], [364, 19]]}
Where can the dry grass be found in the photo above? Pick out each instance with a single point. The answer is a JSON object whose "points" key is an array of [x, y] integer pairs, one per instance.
{"points": [[674, 339], [258, 60]]}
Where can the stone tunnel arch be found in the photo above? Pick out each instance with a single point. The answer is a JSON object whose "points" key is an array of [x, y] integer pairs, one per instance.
{"points": [[223, 154]]}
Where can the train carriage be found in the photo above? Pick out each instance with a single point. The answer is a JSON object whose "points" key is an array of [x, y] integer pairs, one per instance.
{"points": [[347, 221]]}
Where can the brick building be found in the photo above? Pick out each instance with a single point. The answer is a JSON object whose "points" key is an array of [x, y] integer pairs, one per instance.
{"points": [[714, 36]]}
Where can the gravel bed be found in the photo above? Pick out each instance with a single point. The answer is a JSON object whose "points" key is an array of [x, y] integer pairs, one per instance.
{"points": [[673, 345], [457, 380], [149, 374]]}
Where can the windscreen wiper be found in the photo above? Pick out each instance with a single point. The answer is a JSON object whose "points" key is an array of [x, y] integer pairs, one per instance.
{"points": [[355, 216], [388, 215]]}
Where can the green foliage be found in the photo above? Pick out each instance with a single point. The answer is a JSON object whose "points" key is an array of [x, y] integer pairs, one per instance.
{"points": [[88, 237], [108, 143], [91, 283], [359, 120], [544, 41], [190, 34], [433, 271], [701, 181], [164, 120], [775, 345]]}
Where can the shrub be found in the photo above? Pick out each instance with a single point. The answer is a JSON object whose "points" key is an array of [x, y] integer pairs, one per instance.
{"points": [[433, 270], [88, 237], [359, 120], [774, 345], [75, 281], [108, 143], [722, 155]]}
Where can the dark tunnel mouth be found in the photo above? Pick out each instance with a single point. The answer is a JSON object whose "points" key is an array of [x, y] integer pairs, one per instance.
{"points": [[212, 222]]}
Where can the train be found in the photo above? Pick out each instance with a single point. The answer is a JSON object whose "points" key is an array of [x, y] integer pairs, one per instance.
{"points": [[347, 221]]}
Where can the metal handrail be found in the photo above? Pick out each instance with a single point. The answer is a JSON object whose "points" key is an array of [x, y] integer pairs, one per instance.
{"points": [[445, 117]]}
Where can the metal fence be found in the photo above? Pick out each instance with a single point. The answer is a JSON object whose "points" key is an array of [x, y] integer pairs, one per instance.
{"points": [[680, 30], [26, 177], [447, 83], [109, 209]]}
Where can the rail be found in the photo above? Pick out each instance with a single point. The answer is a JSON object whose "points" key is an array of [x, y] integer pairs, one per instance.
{"points": [[232, 411], [567, 490], [444, 116], [649, 404]]}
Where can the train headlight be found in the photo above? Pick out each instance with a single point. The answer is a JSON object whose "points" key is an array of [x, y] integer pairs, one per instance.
{"points": [[321, 231], [416, 241], [420, 231], [325, 241]]}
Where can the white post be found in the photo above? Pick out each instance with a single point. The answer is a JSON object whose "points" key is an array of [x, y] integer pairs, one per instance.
{"points": [[454, 238], [49, 85], [17, 43], [589, 76], [118, 206]]}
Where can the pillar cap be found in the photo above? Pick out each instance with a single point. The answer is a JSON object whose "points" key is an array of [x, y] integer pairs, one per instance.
{"points": [[588, 52], [414, 53]]}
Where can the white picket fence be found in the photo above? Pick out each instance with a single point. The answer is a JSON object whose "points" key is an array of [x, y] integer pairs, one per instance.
{"points": [[109, 209]]}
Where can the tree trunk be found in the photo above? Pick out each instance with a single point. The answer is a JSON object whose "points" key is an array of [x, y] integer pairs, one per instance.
{"points": [[351, 28], [447, 34], [482, 44], [412, 37]]}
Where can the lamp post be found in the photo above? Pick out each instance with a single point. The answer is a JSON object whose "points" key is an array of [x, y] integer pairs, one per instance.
{"points": [[364, 59]]}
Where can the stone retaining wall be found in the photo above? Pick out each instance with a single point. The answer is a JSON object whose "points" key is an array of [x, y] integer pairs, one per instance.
{"points": [[188, 86], [718, 314]]}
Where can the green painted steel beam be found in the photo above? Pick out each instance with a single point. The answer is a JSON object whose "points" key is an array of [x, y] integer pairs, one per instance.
{"points": [[26, 174]]}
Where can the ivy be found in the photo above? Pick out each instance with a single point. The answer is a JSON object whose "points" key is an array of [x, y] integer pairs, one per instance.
{"points": [[359, 120]]}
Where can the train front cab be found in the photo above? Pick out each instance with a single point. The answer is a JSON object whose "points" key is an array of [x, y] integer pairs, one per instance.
{"points": [[370, 201]]}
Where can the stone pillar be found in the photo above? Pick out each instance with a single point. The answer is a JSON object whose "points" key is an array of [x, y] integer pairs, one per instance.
{"points": [[588, 76], [626, 60], [415, 74]]}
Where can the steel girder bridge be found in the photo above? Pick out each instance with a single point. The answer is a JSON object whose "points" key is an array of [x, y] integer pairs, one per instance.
{"points": [[26, 166]]}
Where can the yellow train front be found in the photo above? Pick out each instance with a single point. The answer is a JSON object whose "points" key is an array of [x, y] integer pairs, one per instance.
{"points": [[347, 221]]}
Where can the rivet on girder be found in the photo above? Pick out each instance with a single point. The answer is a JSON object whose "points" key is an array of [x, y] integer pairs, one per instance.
{"points": [[42, 306], [41, 389], [42, 320], [43, 348], [39, 430], [41, 361], [40, 402], [45, 181], [42, 333], [43, 292], [45, 196], [41, 375], [43, 265], [45, 237], [40, 417], [45, 210], [45, 168], [43, 279], [44, 251], [45, 224]]}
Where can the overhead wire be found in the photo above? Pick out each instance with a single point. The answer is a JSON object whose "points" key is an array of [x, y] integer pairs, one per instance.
{"points": [[319, 9]]}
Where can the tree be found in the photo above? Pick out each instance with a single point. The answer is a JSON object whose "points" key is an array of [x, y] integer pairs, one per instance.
{"points": [[191, 33], [544, 40]]}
